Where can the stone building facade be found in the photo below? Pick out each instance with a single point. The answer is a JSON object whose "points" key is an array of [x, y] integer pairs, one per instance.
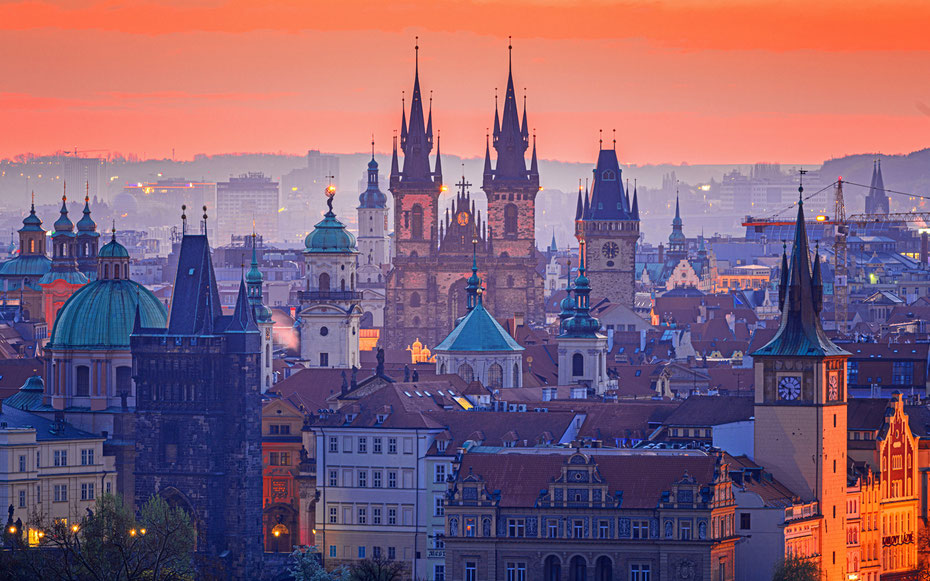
{"points": [[557, 516], [426, 288], [198, 415]]}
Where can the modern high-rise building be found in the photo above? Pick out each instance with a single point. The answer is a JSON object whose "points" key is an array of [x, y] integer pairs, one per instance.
{"points": [[92, 171], [244, 204]]}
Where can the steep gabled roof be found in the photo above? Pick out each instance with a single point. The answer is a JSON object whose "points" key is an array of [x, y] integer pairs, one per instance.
{"points": [[609, 201], [478, 331], [195, 304]]}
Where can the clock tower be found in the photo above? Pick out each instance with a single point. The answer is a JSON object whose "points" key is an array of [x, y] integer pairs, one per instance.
{"points": [[800, 403], [607, 226]]}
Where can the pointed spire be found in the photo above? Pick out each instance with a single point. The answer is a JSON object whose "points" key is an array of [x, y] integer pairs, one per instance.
{"points": [[395, 165], [587, 201], [534, 165], [473, 284], [524, 130], [579, 211], [488, 172], [429, 123], [403, 120], [437, 173], [800, 296], [783, 283], [677, 219], [635, 210], [415, 142], [242, 319], [497, 120], [137, 320]]}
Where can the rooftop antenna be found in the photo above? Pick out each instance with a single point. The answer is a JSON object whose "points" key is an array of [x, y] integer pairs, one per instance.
{"points": [[509, 51], [204, 224], [801, 173], [183, 219]]}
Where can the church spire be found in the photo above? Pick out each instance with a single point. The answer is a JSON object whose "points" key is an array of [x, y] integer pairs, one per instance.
{"points": [[579, 210], [800, 297], [511, 140], [473, 284], [416, 139]]}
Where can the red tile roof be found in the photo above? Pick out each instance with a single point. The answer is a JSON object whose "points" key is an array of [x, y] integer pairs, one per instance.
{"points": [[641, 478]]}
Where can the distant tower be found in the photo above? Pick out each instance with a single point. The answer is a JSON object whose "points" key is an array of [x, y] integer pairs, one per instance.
{"points": [[876, 201], [677, 242], [60, 282], [373, 246], [198, 415], [254, 281], [607, 225], [87, 240], [511, 189], [582, 349], [330, 314], [800, 403]]}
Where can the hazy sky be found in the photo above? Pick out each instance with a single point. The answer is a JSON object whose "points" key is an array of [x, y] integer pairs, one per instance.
{"points": [[702, 81]]}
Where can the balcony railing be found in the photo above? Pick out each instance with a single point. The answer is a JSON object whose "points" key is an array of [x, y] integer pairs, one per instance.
{"points": [[329, 296], [800, 511]]}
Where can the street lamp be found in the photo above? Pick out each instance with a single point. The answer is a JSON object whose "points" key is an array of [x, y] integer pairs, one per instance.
{"points": [[276, 534]]}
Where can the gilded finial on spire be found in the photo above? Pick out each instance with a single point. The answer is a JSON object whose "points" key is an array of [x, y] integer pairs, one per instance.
{"points": [[600, 139], [615, 140]]}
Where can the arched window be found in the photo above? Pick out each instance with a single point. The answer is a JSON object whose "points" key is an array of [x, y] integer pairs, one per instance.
{"points": [[268, 355], [415, 299], [106, 271], [32, 246], [324, 282], [577, 365], [416, 321], [116, 271], [352, 281], [578, 569], [342, 285], [516, 376], [603, 569], [495, 376], [552, 569], [416, 228], [609, 175], [82, 385], [510, 220], [466, 373], [509, 282]]}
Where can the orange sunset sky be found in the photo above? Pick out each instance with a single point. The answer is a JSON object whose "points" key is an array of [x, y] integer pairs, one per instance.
{"points": [[702, 81]]}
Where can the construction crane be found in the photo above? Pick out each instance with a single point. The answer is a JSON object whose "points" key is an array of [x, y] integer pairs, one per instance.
{"points": [[76, 151], [840, 273], [842, 224]]}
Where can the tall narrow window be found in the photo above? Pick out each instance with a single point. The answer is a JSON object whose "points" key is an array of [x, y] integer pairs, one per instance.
{"points": [[324, 282], [416, 230], [510, 220], [82, 385]]}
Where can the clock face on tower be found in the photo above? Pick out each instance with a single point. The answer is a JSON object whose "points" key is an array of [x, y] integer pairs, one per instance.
{"points": [[610, 250], [462, 218], [789, 388], [833, 386]]}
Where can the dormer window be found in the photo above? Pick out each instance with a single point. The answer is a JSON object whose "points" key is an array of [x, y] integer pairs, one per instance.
{"points": [[608, 175], [381, 417], [441, 445], [350, 418]]}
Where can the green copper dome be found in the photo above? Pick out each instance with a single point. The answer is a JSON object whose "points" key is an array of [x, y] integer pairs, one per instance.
{"points": [[330, 235], [101, 315], [32, 266], [32, 223], [75, 277], [113, 249], [478, 331]]}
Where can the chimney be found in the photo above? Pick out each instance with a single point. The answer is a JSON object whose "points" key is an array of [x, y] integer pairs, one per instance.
{"points": [[519, 317], [924, 249]]}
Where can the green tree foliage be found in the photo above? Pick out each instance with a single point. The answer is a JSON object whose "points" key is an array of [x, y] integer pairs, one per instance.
{"points": [[796, 569], [112, 544], [306, 566]]}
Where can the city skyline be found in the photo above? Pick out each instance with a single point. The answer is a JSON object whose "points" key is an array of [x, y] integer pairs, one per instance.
{"points": [[164, 78]]}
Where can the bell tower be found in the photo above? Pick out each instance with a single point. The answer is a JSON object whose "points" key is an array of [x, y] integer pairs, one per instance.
{"points": [[800, 402], [416, 188], [510, 188], [607, 225]]}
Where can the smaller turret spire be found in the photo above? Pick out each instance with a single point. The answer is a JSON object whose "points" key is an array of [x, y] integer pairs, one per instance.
{"points": [[579, 210], [534, 165]]}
